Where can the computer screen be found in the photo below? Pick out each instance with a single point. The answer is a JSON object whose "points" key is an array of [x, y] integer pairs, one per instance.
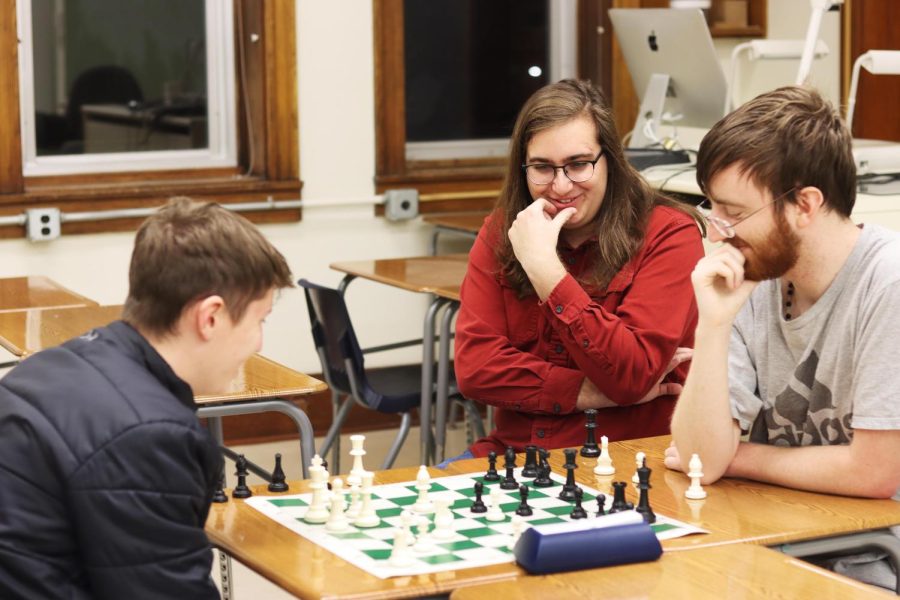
{"points": [[676, 43]]}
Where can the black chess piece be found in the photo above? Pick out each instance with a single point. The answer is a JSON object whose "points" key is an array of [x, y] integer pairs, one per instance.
{"points": [[325, 466], [523, 509], [531, 466], [278, 483], [619, 503], [219, 495], [601, 500], [492, 474], [543, 479], [569, 487], [241, 490], [590, 448], [578, 512], [509, 481], [478, 505], [643, 506]]}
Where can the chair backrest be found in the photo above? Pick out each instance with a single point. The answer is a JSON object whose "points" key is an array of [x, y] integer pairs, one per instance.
{"points": [[334, 337]]}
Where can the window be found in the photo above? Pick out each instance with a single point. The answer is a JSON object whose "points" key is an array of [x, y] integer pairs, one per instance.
{"points": [[451, 76], [213, 114]]}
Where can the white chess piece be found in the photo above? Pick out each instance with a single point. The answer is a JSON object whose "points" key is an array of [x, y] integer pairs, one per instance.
{"points": [[423, 484], [367, 515], [424, 543], [443, 519], [318, 507], [518, 527], [355, 504], [495, 512], [695, 491], [604, 461], [357, 452], [638, 463], [337, 519], [407, 519], [400, 554]]}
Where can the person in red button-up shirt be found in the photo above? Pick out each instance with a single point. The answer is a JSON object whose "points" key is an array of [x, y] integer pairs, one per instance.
{"points": [[578, 291]]}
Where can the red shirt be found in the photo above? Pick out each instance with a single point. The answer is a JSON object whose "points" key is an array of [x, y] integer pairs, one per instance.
{"points": [[528, 359]]}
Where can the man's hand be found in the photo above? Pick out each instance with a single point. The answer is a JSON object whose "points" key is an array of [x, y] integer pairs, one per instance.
{"points": [[591, 397], [534, 236], [720, 287]]}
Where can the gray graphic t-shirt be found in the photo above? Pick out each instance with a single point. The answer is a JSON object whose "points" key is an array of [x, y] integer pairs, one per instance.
{"points": [[814, 379]]}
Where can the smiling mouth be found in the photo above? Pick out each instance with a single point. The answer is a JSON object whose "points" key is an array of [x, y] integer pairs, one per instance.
{"points": [[563, 201]]}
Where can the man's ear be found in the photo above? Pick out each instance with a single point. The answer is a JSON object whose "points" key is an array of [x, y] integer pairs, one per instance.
{"points": [[808, 205], [207, 316]]}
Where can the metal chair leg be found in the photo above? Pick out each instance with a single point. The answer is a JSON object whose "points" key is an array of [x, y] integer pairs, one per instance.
{"points": [[225, 575], [398, 442]]}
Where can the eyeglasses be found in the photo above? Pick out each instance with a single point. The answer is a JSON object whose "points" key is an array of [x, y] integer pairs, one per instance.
{"points": [[726, 229], [577, 171]]}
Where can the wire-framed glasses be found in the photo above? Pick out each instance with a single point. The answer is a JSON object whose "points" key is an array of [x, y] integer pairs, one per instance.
{"points": [[726, 228], [577, 171]]}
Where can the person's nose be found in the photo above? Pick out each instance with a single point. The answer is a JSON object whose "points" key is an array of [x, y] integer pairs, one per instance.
{"points": [[561, 183]]}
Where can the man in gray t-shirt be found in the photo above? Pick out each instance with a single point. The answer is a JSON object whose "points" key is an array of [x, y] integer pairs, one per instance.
{"points": [[792, 380]]}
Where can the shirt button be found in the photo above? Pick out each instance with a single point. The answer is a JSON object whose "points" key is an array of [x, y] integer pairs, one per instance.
{"points": [[558, 348], [556, 408], [584, 343], [540, 433], [559, 309]]}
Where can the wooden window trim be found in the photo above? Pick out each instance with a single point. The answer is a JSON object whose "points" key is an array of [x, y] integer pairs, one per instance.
{"points": [[269, 99]]}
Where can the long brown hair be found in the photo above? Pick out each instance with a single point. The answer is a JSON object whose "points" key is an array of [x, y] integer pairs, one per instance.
{"points": [[625, 210]]}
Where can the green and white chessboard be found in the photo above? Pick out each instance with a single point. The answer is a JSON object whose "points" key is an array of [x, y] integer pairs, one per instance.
{"points": [[477, 542]]}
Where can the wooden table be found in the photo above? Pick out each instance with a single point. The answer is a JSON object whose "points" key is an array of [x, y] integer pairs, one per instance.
{"points": [[25, 332], [462, 224], [442, 277], [18, 293], [737, 571]]}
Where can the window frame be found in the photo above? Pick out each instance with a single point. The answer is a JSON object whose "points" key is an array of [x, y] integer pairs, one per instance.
{"points": [[267, 131]]}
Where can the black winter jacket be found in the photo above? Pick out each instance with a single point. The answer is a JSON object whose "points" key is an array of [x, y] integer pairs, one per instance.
{"points": [[106, 475]]}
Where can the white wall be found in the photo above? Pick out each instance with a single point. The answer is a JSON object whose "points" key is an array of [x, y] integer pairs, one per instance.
{"points": [[336, 130]]}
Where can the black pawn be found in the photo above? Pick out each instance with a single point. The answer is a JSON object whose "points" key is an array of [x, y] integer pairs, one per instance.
{"points": [[643, 506], [619, 503], [278, 483], [492, 474], [543, 479], [578, 512], [523, 509], [531, 465], [509, 482], [590, 448], [241, 490], [219, 495], [478, 506], [601, 500], [568, 489]]}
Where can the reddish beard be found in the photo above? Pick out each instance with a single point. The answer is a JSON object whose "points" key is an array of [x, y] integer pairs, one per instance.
{"points": [[772, 257]]}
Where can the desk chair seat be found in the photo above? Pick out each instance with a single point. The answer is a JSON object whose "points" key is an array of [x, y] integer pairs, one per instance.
{"points": [[392, 390]]}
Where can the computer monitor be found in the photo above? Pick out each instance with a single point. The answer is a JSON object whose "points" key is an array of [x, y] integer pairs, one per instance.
{"points": [[674, 67]]}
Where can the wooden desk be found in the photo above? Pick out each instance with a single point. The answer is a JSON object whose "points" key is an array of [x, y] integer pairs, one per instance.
{"points": [[25, 332], [19, 293], [738, 571], [441, 276], [462, 224]]}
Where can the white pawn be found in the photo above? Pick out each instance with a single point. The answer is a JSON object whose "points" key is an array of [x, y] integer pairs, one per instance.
{"points": [[423, 485], [638, 463], [604, 461], [400, 554], [518, 527], [495, 512], [337, 519], [355, 505], [695, 491], [357, 452], [367, 515], [424, 543], [407, 519], [443, 519]]}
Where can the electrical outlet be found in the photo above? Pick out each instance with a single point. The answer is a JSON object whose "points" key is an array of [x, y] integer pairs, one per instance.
{"points": [[401, 205], [42, 224]]}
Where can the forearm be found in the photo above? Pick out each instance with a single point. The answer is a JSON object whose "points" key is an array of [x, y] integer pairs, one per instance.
{"points": [[545, 275], [702, 423]]}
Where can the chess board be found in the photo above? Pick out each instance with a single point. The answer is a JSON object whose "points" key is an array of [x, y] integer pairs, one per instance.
{"points": [[477, 542]]}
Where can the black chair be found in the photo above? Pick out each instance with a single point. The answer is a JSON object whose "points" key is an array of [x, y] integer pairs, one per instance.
{"points": [[393, 390]]}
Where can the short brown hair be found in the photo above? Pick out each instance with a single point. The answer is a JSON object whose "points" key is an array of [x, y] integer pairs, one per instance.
{"points": [[784, 139], [626, 207], [190, 250]]}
